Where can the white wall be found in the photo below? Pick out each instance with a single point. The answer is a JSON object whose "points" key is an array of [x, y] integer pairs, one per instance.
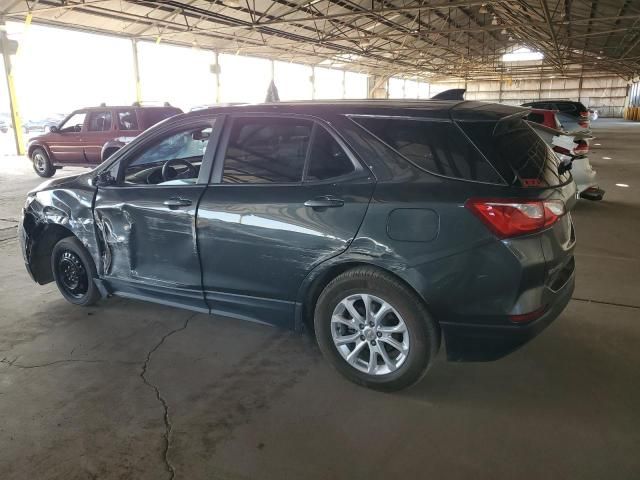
{"points": [[607, 94]]}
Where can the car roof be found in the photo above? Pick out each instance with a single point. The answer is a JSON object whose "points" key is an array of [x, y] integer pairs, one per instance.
{"points": [[554, 100], [128, 107], [460, 110]]}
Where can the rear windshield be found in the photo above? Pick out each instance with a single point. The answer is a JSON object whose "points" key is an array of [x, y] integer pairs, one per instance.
{"points": [[435, 146], [151, 116], [517, 152]]}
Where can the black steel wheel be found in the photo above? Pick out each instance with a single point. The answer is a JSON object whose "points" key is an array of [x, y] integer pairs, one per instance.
{"points": [[74, 271]]}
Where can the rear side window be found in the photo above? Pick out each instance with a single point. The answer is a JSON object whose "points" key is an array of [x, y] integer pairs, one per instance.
{"points": [[516, 151], [99, 121], [327, 158], [266, 150], [536, 117], [437, 147]]}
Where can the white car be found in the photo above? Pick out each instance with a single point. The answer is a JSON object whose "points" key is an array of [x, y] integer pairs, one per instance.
{"points": [[571, 150]]}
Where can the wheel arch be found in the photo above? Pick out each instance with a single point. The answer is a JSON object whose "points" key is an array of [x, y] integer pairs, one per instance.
{"points": [[45, 237], [42, 146], [320, 277]]}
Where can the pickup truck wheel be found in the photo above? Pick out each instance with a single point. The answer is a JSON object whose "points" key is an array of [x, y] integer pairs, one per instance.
{"points": [[41, 163], [74, 271], [375, 330]]}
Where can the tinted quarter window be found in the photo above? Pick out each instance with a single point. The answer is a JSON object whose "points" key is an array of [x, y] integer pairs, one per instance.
{"points": [[536, 117], [127, 120], [437, 147], [516, 151], [266, 150], [99, 121], [151, 116], [327, 158]]}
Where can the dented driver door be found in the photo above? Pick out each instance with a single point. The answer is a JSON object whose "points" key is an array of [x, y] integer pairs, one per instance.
{"points": [[146, 220]]}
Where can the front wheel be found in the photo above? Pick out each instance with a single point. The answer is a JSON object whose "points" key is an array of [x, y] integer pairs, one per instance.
{"points": [[74, 271], [375, 330], [42, 163]]}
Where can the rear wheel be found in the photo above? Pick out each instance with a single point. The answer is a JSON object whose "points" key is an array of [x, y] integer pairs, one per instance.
{"points": [[41, 163], [375, 330], [74, 271]]}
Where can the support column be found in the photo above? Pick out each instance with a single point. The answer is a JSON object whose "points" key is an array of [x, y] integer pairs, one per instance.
{"points": [[217, 74], [8, 48], [377, 86], [136, 70]]}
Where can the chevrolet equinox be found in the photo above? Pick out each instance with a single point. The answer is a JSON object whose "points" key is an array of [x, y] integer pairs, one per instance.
{"points": [[381, 226]]}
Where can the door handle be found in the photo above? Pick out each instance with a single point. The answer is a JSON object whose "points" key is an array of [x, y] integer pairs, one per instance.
{"points": [[174, 203], [324, 202]]}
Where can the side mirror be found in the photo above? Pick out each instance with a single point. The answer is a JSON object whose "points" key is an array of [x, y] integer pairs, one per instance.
{"points": [[103, 179], [54, 129]]}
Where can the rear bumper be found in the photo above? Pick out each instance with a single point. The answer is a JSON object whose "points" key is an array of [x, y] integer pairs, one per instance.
{"points": [[479, 342]]}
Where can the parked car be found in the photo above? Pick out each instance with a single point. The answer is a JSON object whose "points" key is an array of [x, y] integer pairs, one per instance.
{"points": [[572, 151], [380, 225], [571, 124], [79, 139], [41, 125], [568, 107], [4, 128], [547, 118]]}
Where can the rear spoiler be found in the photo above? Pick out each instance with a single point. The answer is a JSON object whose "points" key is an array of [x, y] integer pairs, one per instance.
{"points": [[451, 94]]}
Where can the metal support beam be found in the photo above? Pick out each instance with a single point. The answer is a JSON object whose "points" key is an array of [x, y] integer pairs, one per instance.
{"points": [[5, 47]]}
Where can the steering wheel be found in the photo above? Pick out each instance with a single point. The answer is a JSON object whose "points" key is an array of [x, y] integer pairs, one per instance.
{"points": [[170, 173]]}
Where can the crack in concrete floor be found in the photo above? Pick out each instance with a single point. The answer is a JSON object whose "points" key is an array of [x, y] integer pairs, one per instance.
{"points": [[167, 421]]}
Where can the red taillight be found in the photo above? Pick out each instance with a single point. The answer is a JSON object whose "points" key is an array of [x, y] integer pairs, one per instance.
{"points": [[561, 150], [584, 114], [584, 123], [582, 148], [511, 218]]}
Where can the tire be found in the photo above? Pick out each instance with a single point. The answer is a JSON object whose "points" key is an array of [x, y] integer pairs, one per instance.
{"points": [[41, 163], [73, 270], [420, 339]]}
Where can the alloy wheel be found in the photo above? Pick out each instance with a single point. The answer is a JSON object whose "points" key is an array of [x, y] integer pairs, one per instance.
{"points": [[40, 162], [370, 334]]}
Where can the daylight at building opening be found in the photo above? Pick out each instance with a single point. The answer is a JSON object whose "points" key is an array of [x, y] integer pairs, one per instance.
{"points": [[320, 240]]}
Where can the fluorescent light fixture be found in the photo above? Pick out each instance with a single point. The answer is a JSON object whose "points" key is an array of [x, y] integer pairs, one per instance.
{"points": [[522, 55], [483, 9], [606, 158], [623, 185]]}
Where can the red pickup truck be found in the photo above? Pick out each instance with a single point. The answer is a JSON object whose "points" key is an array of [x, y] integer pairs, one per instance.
{"points": [[79, 138]]}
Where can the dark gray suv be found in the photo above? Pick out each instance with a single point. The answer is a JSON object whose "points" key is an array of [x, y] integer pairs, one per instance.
{"points": [[381, 226]]}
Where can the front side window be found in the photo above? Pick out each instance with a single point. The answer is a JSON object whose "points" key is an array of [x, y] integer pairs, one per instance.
{"points": [[127, 120], [173, 160], [74, 123], [266, 150], [327, 158], [99, 121], [437, 147]]}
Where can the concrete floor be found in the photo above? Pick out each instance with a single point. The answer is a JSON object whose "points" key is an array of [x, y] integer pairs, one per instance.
{"points": [[131, 390]]}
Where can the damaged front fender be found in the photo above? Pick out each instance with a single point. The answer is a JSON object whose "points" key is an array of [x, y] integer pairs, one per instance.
{"points": [[52, 212]]}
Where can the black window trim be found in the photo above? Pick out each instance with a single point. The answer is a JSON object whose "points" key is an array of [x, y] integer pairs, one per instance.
{"points": [[216, 121], [428, 119], [218, 165]]}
